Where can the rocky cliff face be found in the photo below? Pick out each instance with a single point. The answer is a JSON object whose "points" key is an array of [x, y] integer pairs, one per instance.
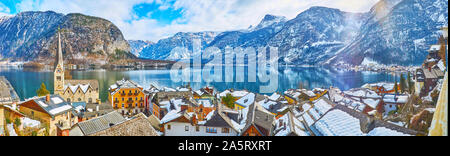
{"points": [[33, 36]]}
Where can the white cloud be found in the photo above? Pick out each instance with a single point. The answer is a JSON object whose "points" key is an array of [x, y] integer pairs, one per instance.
{"points": [[4, 11], [198, 15]]}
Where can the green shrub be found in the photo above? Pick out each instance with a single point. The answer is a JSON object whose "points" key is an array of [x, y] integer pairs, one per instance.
{"points": [[17, 122]]}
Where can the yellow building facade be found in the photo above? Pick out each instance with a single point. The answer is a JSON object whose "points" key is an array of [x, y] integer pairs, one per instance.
{"points": [[127, 97]]}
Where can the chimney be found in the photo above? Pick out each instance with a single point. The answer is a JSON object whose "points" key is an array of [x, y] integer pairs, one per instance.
{"points": [[47, 98]]}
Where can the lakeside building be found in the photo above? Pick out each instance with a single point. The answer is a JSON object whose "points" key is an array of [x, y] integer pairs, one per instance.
{"points": [[53, 111], [113, 124], [127, 97], [73, 90], [185, 123], [8, 97]]}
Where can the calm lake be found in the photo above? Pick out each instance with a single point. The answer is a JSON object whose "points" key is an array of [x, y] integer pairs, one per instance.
{"points": [[27, 82]]}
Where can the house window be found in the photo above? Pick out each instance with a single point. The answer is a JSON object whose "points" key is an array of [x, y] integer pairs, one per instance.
{"points": [[123, 105], [90, 100], [136, 98], [225, 130], [168, 127], [68, 100], [32, 114], [123, 99], [197, 128], [211, 130], [186, 128]]}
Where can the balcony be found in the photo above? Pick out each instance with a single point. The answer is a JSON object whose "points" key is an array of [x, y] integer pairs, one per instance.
{"points": [[130, 101], [136, 94], [129, 94]]}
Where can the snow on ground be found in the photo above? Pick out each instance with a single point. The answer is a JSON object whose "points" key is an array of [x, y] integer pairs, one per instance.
{"points": [[27, 122], [11, 130]]}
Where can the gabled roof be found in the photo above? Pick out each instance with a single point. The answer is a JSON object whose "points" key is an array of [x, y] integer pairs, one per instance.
{"points": [[343, 121], [261, 119], [288, 125], [219, 119], [434, 73], [123, 84], [139, 125], [100, 123], [55, 106], [91, 83]]}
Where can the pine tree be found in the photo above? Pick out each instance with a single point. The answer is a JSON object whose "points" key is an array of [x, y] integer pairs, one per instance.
{"points": [[396, 87], [228, 100], [410, 83], [402, 83], [42, 91]]}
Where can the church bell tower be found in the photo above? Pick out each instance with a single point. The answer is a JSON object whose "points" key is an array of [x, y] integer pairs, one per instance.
{"points": [[59, 69]]}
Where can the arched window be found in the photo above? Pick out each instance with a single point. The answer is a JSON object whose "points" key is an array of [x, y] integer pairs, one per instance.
{"points": [[79, 99], [90, 100]]}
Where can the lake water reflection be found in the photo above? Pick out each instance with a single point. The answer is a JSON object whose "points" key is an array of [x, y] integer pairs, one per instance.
{"points": [[27, 82]]}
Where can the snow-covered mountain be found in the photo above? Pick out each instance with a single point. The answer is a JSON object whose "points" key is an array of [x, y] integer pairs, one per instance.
{"points": [[392, 32], [33, 35], [163, 48], [397, 32], [138, 45]]}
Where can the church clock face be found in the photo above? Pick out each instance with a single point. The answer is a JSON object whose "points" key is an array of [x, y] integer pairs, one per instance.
{"points": [[59, 70]]}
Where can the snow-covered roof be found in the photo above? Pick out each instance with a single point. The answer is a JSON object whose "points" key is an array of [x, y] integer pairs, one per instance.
{"points": [[241, 93], [382, 131], [338, 123], [171, 116], [205, 102], [274, 97], [362, 92], [247, 100], [224, 93], [182, 89], [84, 87], [58, 110], [372, 102], [309, 93], [322, 106], [289, 125], [57, 100], [435, 48], [395, 99]]}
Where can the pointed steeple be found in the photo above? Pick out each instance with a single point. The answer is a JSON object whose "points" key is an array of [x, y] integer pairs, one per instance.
{"points": [[59, 55], [59, 68]]}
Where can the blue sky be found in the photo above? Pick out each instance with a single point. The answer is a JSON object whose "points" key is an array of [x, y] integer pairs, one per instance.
{"points": [[156, 19]]}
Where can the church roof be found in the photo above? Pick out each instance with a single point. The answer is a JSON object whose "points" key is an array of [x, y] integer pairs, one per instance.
{"points": [[83, 84]]}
